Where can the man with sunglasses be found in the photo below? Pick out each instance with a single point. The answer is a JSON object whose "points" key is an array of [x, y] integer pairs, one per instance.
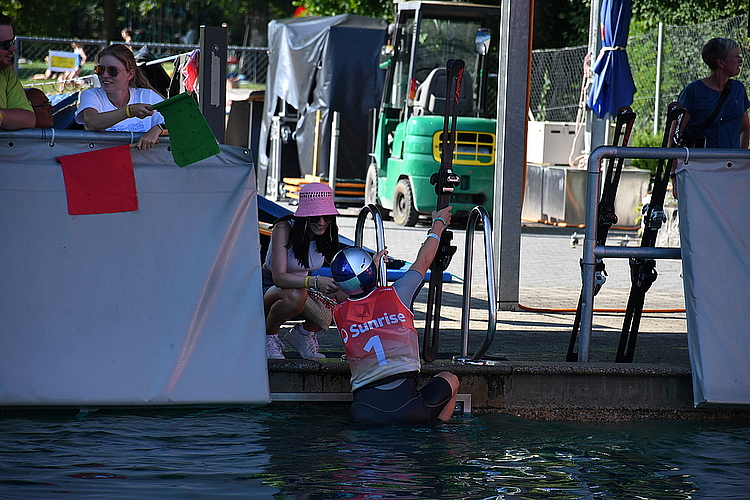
{"points": [[15, 110]]}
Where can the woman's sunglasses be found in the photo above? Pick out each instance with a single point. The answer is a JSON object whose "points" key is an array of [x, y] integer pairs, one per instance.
{"points": [[113, 71], [326, 218]]}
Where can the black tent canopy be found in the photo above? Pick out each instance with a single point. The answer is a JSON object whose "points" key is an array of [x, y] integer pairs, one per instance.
{"points": [[324, 64]]}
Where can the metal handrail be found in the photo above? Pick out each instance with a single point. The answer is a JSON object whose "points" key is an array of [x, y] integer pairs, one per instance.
{"points": [[590, 249], [474, 216], [379, 237]]}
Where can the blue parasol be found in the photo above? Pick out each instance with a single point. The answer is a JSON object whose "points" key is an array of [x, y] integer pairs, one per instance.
{"points": [[613, 85]]}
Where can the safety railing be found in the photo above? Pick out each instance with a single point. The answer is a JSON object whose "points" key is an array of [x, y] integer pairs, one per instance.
{"points": [[478, 213], [379, 236], [590, 249]]}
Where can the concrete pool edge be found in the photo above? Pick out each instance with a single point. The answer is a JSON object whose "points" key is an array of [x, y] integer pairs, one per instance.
{"points": [[542, 390]]}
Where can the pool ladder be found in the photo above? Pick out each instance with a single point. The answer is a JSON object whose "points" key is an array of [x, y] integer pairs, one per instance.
{"points": [[476, 215]]}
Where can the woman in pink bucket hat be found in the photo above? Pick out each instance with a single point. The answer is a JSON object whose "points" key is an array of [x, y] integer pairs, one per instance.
{"points": [[300, 244]]}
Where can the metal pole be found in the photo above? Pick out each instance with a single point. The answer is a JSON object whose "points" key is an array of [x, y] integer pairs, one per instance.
{"points": [[657, 91], [512, 105], [588, 261], [596, 128], [316, 143], [274, 160], [334, 152]]}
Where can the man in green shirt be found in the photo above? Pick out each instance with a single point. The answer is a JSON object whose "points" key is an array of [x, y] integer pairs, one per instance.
{"points": [[15, 110]]}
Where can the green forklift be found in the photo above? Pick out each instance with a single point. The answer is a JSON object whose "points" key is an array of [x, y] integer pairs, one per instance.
{"points": [[406, 131]]}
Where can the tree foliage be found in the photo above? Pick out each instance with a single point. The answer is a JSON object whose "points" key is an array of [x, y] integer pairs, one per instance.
{"points": [[382, 9], [560, 23], [647, 14], [43, 17], [557, 23], [83, 19]]}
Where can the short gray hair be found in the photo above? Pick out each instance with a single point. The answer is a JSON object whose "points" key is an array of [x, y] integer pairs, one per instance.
{"points": [[717, 48]]}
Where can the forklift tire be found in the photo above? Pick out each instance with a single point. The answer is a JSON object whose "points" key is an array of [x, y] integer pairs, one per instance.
{"points": [[404, 213], [371, 186]]}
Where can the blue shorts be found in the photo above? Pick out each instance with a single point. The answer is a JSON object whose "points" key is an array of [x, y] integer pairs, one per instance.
{"points": [[402, 405]]}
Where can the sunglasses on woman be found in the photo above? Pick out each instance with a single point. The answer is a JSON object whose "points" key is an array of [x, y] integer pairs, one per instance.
{"points": [[113, 71], [326, 218]]}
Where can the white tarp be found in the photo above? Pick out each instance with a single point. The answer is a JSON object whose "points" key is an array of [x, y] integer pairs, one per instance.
{"points": [[161, 306], [714, 212]]}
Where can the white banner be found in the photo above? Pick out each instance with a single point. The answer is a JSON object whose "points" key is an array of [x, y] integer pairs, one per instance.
{"points": [[161, 306], [714, 213]]}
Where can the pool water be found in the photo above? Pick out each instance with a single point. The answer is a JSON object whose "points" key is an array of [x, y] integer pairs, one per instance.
{"points": [[309, 452]]}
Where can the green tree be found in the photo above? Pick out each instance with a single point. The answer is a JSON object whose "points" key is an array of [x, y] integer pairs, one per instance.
{"points": [[103, 19], [648, 13], [561, 23], [382, 9]]}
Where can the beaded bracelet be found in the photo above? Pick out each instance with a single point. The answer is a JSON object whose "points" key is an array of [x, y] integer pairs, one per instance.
{"points": [[441, 220], [433, 235]]}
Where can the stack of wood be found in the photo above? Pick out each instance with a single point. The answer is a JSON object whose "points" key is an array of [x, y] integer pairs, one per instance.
{"points": [[346, 191]]}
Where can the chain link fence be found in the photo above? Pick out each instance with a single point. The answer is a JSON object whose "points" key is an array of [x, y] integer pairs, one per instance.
{"points": [[559, 82], [250, 64], [558, 75]]}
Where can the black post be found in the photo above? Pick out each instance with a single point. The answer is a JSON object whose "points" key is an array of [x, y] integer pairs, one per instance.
{"points": [[212, 90], [445, 181]]}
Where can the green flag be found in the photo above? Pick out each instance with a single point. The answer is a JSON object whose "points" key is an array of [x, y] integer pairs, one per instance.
{"points": [[190, 136]]}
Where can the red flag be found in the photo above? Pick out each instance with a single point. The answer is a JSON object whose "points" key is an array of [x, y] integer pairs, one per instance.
{"points": [[100, 182]]}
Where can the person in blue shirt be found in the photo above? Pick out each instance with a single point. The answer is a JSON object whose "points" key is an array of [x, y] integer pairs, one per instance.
{"points": [[730, 129]]}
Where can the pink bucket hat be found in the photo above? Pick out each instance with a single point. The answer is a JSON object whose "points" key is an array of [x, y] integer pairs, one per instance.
{"points": [[315, 199]]}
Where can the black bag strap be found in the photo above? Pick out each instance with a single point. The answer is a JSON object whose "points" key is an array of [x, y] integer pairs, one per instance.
{"points": [[710, 119]]}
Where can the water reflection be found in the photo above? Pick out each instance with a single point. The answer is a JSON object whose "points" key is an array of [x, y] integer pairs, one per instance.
{"points": [[309, 452]]}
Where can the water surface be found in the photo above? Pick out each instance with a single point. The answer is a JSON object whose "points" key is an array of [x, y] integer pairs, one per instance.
{"points": [[309, 452]]}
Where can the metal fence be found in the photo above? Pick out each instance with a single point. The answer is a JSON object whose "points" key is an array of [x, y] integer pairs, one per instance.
{"points": [[251, 62], [662, 62]]}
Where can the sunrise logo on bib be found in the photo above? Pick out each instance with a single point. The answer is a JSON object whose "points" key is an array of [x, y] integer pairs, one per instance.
{"points": [[379, 336]]}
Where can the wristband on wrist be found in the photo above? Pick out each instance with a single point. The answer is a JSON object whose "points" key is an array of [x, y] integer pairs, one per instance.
{"points": [[128, 113], [441, 220], [307, 282], [1, 117], [433, 235]]}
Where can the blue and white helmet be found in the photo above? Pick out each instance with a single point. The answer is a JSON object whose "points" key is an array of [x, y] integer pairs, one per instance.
{"points": [[354, 271]]}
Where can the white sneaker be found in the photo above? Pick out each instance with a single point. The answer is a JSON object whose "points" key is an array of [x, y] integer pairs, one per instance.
{"points": [[305, 342], [274, 347]]}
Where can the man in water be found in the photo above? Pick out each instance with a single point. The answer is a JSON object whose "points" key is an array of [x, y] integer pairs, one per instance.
{"points": [[377, 327]]}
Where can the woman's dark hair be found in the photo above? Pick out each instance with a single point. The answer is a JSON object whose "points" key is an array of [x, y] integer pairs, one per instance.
{"points": [[123, 54], [328, 242]]}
